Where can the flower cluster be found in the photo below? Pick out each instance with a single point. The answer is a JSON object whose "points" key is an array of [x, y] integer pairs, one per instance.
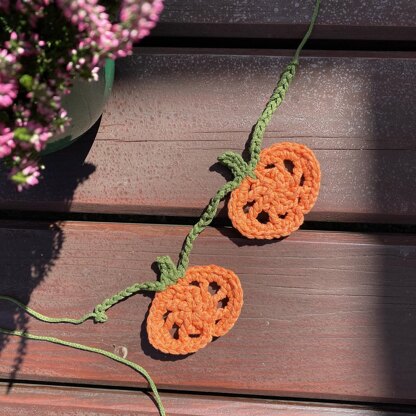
{"points": [[44, 46]]}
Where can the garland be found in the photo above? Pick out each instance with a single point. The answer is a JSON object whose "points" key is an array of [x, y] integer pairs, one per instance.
{"points": [[270, 194]]}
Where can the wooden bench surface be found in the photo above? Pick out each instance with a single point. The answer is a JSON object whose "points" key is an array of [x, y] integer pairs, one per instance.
{"points": [[176, 112], [26, 400], [339, 19], [329, 316], [326, 315]]}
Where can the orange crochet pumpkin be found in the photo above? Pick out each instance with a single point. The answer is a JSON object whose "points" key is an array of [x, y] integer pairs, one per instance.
{"points": [[286, 187], [185, 317]]}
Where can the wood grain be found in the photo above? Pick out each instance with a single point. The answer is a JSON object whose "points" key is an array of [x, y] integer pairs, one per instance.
{"points": [[339, 19], [32, 400], [172, 113], [326, 315]]}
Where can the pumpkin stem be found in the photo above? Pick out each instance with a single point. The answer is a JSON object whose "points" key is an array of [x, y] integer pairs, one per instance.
{"points": [[168, 272], [238, 166]]}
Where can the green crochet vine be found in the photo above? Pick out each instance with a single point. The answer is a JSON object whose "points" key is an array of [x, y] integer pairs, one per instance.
{"points": [[169, 273]]}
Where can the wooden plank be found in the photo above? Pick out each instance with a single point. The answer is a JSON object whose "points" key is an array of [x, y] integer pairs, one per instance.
{"points": [[326, 315], [354, 19], [172, 114], [32, 400]]}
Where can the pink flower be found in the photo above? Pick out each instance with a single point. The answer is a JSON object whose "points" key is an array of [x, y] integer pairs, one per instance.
{"points": [[25, 174], [36, 72], [99, 37], [8, 83], [32, 174], [7, 143], [38, 135], [8, 92]]}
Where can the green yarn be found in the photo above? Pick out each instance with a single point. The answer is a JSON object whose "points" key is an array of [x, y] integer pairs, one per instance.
{"points": [[233, 161], [168, 276], [169, 273], [44, 318], [98, 351], [308, 32], [273, 104]]}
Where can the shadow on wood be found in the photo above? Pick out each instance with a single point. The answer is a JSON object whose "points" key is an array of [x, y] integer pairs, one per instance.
{"points": [[65, 170], [394, 182]]}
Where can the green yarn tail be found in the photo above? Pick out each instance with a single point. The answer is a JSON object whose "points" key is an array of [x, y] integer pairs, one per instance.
{"points": [[308, 33], [45, 318], [99, 351], [169, 273]]}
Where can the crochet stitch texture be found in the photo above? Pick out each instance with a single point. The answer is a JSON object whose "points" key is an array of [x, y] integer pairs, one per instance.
{"points": [[197, 314], [286, 187]]}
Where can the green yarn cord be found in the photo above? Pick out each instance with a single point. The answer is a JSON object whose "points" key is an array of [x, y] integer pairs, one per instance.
{"points": [[238, 166], [99, 351], [169, 273]]}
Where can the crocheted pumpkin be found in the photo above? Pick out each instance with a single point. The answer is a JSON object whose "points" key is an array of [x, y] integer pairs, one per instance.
{"points": [[286, 187], [185, 317]]}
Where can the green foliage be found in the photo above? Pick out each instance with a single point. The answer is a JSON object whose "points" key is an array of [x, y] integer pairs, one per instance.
{"points": [[22, 134], [26, 81]]}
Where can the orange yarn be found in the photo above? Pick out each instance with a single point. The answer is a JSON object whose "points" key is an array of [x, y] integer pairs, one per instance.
{"points": [[197, 315], [287, 186]]}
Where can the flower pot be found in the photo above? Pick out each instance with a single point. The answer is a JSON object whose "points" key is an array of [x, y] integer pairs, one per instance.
{"points": [[84, 105]]}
